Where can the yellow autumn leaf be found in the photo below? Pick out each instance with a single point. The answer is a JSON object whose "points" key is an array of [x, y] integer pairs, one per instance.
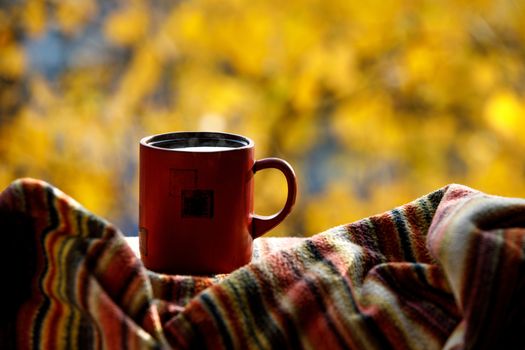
{"points": [[484, 75], [367, 124], [29, 144], [127, 26], [299, 131], [334, 206], [12, 60], [91, 191], [34, 17], [42, 92], [184, 27], [421, 63], [72, 15], [505, 114], [498, 176], [139, 80], [340, 69]]}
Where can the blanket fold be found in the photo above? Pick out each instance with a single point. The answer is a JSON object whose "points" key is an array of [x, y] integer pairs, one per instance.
{"points": [[446, 271]]}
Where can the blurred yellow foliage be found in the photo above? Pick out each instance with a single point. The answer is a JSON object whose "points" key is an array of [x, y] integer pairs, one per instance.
{"points": [[374, 103], [318, 218], [505, 113], [12, 61], [34, 17], [72, 15], [128, 26]]}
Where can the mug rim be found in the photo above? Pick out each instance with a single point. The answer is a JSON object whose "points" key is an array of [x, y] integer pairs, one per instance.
{"points": [[147, 140]]}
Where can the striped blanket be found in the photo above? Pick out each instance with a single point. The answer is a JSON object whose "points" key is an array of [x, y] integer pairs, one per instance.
{"points": [[446, 271]]}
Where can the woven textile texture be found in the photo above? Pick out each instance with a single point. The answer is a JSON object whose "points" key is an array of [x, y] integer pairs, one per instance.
{"points": [[446, 271]]}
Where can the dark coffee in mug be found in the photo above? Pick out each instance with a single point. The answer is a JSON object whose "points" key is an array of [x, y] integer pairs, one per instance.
{"points": [[196, 201]]}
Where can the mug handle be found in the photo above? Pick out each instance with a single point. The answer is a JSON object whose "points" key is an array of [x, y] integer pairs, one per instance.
{"points": [[262, 224]]}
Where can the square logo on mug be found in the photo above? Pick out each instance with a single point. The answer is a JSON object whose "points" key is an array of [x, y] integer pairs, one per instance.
{"points": [[197, 203]]}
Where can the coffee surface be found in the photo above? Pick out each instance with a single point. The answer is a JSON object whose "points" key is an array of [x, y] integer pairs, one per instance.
{"points": [[203, 149]]}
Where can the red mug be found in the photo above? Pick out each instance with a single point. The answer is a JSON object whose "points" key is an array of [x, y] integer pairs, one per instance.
{"points": [[196, 201]]}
